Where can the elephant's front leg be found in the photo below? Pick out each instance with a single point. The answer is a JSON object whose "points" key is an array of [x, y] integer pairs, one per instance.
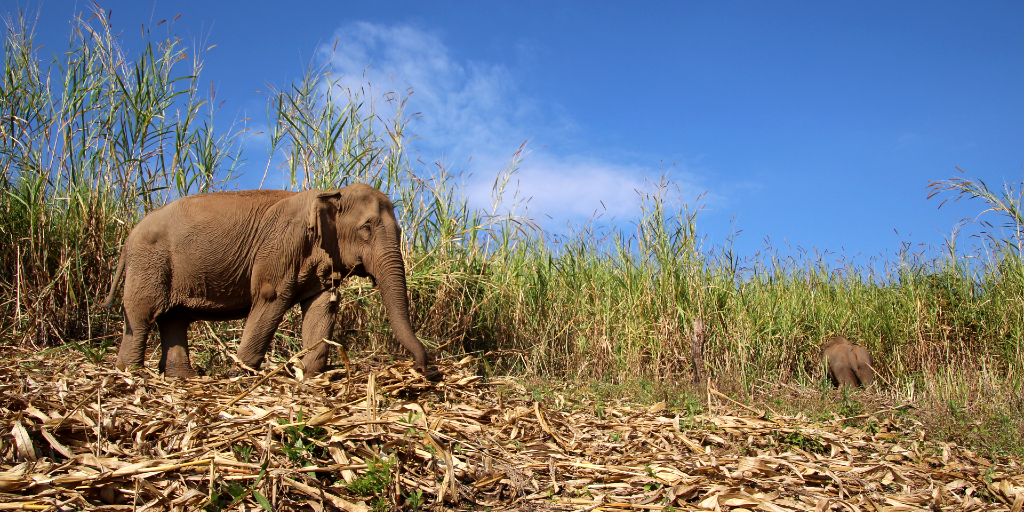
{"points": [[260, 326], [318, 315]]}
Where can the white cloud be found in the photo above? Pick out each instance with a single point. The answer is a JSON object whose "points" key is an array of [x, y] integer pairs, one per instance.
{"points": [[474, 109], [467, 107]]}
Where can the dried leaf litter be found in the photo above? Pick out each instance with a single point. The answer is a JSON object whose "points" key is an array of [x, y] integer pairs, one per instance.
{"points": [[78, 436]]}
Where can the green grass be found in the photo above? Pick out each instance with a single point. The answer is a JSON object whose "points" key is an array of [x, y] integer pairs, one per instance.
{"points": [[228, 495], [373, 483], [96, 136], [302, 443]]}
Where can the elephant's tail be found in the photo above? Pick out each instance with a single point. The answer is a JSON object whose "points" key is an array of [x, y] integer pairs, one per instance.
{"points": [[113, 282]]}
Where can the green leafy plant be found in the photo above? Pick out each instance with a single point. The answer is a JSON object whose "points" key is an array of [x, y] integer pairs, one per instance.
{"points": [[374, 482], [805, 442], [414, 500], [300, 442], [956, 410], [412, 417], [242, 451], [691, 404], [848, 407], [94, 353], [411, 420], [228, 495]]}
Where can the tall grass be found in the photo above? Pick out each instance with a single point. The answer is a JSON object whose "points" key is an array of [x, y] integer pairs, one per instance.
{"points": [[89, 142], [623, 310], [97, 139]]}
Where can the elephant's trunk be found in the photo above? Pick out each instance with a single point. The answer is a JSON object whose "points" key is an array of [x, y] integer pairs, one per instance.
{"points": [[389, 273]]}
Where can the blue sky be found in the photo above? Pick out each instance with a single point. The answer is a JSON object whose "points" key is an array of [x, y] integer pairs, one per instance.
{"points": [[813, 124]]}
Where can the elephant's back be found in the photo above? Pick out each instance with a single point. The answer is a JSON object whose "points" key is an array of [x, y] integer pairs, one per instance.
{"points": [[244, 202], [206, 243], [217, 219]]}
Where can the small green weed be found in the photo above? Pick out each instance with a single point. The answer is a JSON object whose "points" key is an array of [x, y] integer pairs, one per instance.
{"points": [[412, 417], [94, 353], [538, 394], [848, 407], [299, 442], [805, 442], [227, 496], [374, 482], [243, 452], [690, 404], [414, 500], [956, 410], [411, 420]]}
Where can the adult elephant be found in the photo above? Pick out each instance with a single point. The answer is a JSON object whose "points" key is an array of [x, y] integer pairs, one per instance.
{"points": [[254, 254]]}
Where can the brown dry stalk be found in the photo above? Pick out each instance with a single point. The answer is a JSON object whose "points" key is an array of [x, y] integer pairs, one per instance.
{"points": [[460, 443], [277, 370], [28, 505]]}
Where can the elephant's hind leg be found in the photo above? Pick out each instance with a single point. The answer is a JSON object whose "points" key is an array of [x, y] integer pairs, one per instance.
{"points": [[317, 323], [145, 297], [841, 372], [132, 352], [864, 369], [174, 361]]}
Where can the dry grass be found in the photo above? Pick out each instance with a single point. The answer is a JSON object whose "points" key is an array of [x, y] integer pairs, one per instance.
{"points": [[81, 436]]}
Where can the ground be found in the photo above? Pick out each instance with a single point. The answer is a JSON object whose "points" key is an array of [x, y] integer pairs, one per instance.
{"points": [[79, 434]]}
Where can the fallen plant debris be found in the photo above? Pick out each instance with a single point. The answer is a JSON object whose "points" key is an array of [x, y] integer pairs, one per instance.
{"points": [[79, 436]]}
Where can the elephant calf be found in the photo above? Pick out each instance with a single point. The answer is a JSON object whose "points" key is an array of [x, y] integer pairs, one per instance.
{"points": [[254, 254], [849, 364]]}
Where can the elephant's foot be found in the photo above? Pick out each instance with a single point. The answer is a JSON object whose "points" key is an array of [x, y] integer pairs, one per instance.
{"points": [[175, 363], [180, 371], [313, 364], [131, 360], [129, 367], [240, 371]]}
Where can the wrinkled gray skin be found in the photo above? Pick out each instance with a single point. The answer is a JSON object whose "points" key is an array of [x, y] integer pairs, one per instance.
{"points": [[849, 364], [254, 254]]}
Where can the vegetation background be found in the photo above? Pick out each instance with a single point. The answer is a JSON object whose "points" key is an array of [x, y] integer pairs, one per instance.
{"points": [[94, 138]]}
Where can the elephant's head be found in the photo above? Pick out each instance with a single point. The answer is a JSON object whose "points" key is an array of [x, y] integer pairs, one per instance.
{"points": [[357, 228]]}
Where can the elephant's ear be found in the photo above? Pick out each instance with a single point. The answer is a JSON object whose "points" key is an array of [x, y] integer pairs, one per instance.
{"points": [[322, 214]]}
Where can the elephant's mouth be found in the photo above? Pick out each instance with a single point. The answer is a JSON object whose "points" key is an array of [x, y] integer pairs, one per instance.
{"points": [[359, 270]]}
